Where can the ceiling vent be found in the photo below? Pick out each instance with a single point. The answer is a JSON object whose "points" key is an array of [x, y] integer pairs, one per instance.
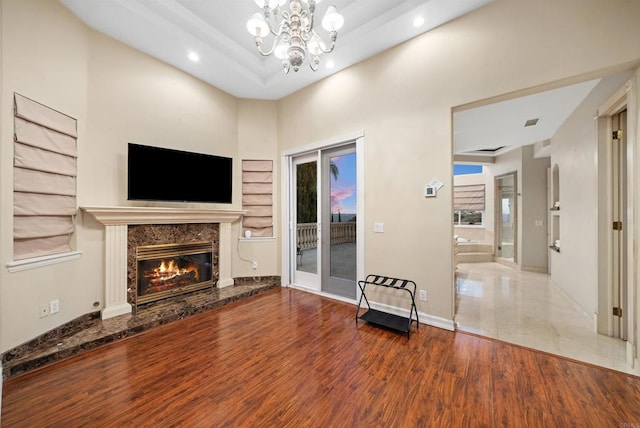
{"points": [[531, 122], [490, 151]]}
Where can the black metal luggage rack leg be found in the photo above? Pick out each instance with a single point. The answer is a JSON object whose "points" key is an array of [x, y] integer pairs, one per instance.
{"points": [[385, 319]]}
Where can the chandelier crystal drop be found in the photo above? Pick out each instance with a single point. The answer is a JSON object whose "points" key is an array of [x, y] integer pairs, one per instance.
{"points": [[293, 30]]}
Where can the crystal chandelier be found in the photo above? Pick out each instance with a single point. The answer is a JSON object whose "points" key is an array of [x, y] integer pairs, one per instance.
{"points": [[294, 32]]}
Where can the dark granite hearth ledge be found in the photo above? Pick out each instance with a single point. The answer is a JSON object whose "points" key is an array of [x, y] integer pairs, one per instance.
{"points": [[90, 331]]}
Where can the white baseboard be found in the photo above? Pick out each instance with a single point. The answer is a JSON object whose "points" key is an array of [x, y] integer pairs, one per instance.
{"points": [[227, 282], [535, 269], [116, 310], [425, 318]]}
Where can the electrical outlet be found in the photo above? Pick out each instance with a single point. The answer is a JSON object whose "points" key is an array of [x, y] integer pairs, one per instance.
{"points": [[423, 295], [254, 265], [44, 311], [54, 306]]}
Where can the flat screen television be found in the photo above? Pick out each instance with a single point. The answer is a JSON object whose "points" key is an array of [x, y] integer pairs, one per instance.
{"points": [[159, 174]]}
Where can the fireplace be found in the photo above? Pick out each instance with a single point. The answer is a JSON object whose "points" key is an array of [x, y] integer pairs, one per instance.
{"points": [[168, 270], [127, 228]]}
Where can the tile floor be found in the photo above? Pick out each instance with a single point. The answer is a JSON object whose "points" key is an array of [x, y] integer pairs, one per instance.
{"points": [[525, 308]]}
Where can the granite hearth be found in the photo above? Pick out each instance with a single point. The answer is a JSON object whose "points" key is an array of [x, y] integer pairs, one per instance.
{"points": [[91, 331]]}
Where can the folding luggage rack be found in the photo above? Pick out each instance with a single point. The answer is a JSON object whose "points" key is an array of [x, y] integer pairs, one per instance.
{"points": [[385, 319]]}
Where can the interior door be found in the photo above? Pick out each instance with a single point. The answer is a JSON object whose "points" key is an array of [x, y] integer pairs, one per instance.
{"points": [[339, 221], [305, 225], [506, 220], [619, 215]]}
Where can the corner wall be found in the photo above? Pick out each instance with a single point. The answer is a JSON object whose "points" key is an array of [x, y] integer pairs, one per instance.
{"points": [[258, 139]]}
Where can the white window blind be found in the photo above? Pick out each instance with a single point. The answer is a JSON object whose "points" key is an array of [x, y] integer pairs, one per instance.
{"points": [[468, 198], [44, 179], [257, 197]]}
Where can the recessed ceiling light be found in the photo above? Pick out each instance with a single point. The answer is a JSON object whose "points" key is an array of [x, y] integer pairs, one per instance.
{"points": [[531, 122], [330, 64], [194, 57], [418, 21]]}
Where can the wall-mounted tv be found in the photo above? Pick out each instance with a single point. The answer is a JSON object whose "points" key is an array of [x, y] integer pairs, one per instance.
{"points": [[159, 174]]}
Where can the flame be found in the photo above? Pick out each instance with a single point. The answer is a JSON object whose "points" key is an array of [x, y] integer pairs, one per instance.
{"points": [[167, 271]]}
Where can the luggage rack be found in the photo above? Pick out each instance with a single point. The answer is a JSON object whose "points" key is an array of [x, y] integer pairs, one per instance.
{"points": [[385, 319]]}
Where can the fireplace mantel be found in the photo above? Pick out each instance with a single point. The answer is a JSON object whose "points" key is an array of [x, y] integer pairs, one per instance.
{"points": [[116, 220], [160, 215]]}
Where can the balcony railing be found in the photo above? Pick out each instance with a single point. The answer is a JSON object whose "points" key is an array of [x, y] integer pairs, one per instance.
{"points": [[341, 233]]}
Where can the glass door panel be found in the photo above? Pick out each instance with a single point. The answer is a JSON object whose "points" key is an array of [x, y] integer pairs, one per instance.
{"points": [[339, 222], [506, 217], [306, 221]]}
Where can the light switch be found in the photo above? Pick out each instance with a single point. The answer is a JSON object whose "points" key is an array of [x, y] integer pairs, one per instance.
{"points": [[378, 227], [539, 223]]}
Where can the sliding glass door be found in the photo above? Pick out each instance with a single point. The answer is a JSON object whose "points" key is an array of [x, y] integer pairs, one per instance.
{"points": [[324, 193]]}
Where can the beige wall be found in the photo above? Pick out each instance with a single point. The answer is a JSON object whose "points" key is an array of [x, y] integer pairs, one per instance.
{"points": [[48, 63], [535, 249], [258, 139]]}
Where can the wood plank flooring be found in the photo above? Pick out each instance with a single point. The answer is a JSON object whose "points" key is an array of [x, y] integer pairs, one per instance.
{"points": [[292, 359]]}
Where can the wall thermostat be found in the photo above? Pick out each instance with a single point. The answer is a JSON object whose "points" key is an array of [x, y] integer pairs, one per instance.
{"points": [[431, 190]]}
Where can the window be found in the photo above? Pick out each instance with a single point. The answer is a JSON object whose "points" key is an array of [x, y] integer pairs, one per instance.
{"points": [[463, 169], [468, 205], [44, 180], [466, 217], [257, 197]]}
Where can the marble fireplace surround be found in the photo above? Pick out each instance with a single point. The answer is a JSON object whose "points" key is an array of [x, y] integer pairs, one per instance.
{"points": [[116, 221]]}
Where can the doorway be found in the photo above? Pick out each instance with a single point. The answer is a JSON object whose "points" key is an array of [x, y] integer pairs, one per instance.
{"points": [[506, 219], [325, 239]]}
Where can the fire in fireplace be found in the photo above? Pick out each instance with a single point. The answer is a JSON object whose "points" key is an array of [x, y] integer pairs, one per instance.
{"points": [[168, 270]]}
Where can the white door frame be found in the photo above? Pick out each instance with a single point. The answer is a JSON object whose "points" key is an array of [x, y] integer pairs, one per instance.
{"points": [[302, 279], [288, 262], [498, 219], [625, 97]]}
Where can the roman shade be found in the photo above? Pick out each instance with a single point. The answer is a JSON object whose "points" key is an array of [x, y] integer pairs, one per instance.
{"points": [[468, 198], [44, 179], [257, 197]]}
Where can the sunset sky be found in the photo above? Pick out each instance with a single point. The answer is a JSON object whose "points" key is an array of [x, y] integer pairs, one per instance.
{"points": [[343, 190]]}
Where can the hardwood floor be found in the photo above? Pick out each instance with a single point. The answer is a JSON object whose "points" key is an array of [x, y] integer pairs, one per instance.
{"points": [[292, 359]]}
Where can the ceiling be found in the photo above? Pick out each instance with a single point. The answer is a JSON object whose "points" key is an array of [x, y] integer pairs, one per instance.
{"points": [[493, 129], [216, 30]]}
